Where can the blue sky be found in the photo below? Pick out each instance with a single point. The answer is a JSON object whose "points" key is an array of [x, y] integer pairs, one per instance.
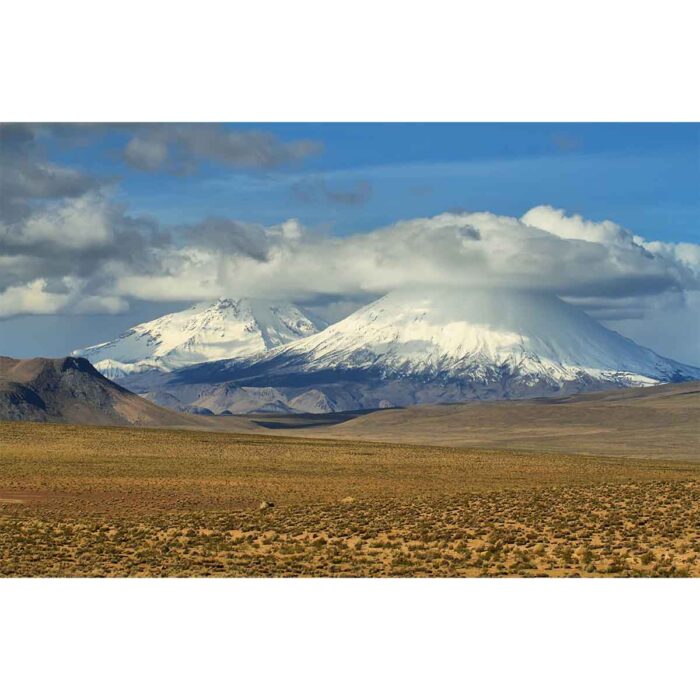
{"points": [[643, 176], [342, 179]]}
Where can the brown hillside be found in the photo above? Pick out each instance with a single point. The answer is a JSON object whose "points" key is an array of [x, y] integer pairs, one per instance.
{"points": [[661, 421], [71, 390]]}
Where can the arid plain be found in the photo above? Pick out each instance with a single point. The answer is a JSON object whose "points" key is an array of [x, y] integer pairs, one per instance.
{"points": [[124, 501]]}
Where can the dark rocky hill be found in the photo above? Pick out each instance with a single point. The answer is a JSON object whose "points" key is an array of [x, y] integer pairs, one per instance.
{"points": [[71, 390]]}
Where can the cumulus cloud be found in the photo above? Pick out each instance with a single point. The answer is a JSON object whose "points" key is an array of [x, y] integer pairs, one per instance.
{"points": [[57, 223], [64, 242], [575, 227], [76, 237], [598, 265], [179, 148], [646, 269], [68, 295], [77, 224], [26, 177]]}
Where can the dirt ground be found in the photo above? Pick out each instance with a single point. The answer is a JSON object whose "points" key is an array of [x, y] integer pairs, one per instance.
{"points": [[95, 501]]}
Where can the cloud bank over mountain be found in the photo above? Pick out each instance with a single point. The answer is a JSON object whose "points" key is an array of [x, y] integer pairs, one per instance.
{"points": [[90, 245], [69, 245]]}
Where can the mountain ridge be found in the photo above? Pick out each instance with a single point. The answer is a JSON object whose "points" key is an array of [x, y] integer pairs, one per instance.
{"points": [[434, 346], [206, 331]]}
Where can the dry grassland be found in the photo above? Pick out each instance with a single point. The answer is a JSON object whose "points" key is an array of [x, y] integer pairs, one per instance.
{"points": [[94, 501]]}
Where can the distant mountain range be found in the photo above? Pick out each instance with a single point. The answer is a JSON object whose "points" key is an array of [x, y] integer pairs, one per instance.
{"points": [[422, 346]]}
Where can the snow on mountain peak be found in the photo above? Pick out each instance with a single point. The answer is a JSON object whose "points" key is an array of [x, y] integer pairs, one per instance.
{"points": [[460, 333], [427, 345], [225, 328]]}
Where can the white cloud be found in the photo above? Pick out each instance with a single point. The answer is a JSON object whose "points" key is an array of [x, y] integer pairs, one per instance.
{"points": [[30, 298], [36, 297], [614, 274], [75, 224], [576, 227], [616, 238], [83, 222], [565, 255]]}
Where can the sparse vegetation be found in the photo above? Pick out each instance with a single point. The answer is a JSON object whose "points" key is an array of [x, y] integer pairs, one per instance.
{"points": [[88, 501]]}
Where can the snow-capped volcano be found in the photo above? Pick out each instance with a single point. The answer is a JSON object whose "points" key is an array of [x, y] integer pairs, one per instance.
{"points": [[475, 335], [436, 345], [227, 328]]}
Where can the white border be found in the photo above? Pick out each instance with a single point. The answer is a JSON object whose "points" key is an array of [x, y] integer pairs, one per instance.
{"points": [[290, 61], [348, 639], [312, 60]]}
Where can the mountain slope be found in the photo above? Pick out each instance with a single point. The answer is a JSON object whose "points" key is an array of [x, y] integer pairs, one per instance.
{"points": [[480, 335], [207, 331], [438, 346], [71, 390]]}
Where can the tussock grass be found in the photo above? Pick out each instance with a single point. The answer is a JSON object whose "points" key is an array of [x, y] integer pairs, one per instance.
{"points": [[89, 501]]}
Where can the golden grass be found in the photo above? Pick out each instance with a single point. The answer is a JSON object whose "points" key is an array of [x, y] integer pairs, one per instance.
{"points": [[94, 501]]}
